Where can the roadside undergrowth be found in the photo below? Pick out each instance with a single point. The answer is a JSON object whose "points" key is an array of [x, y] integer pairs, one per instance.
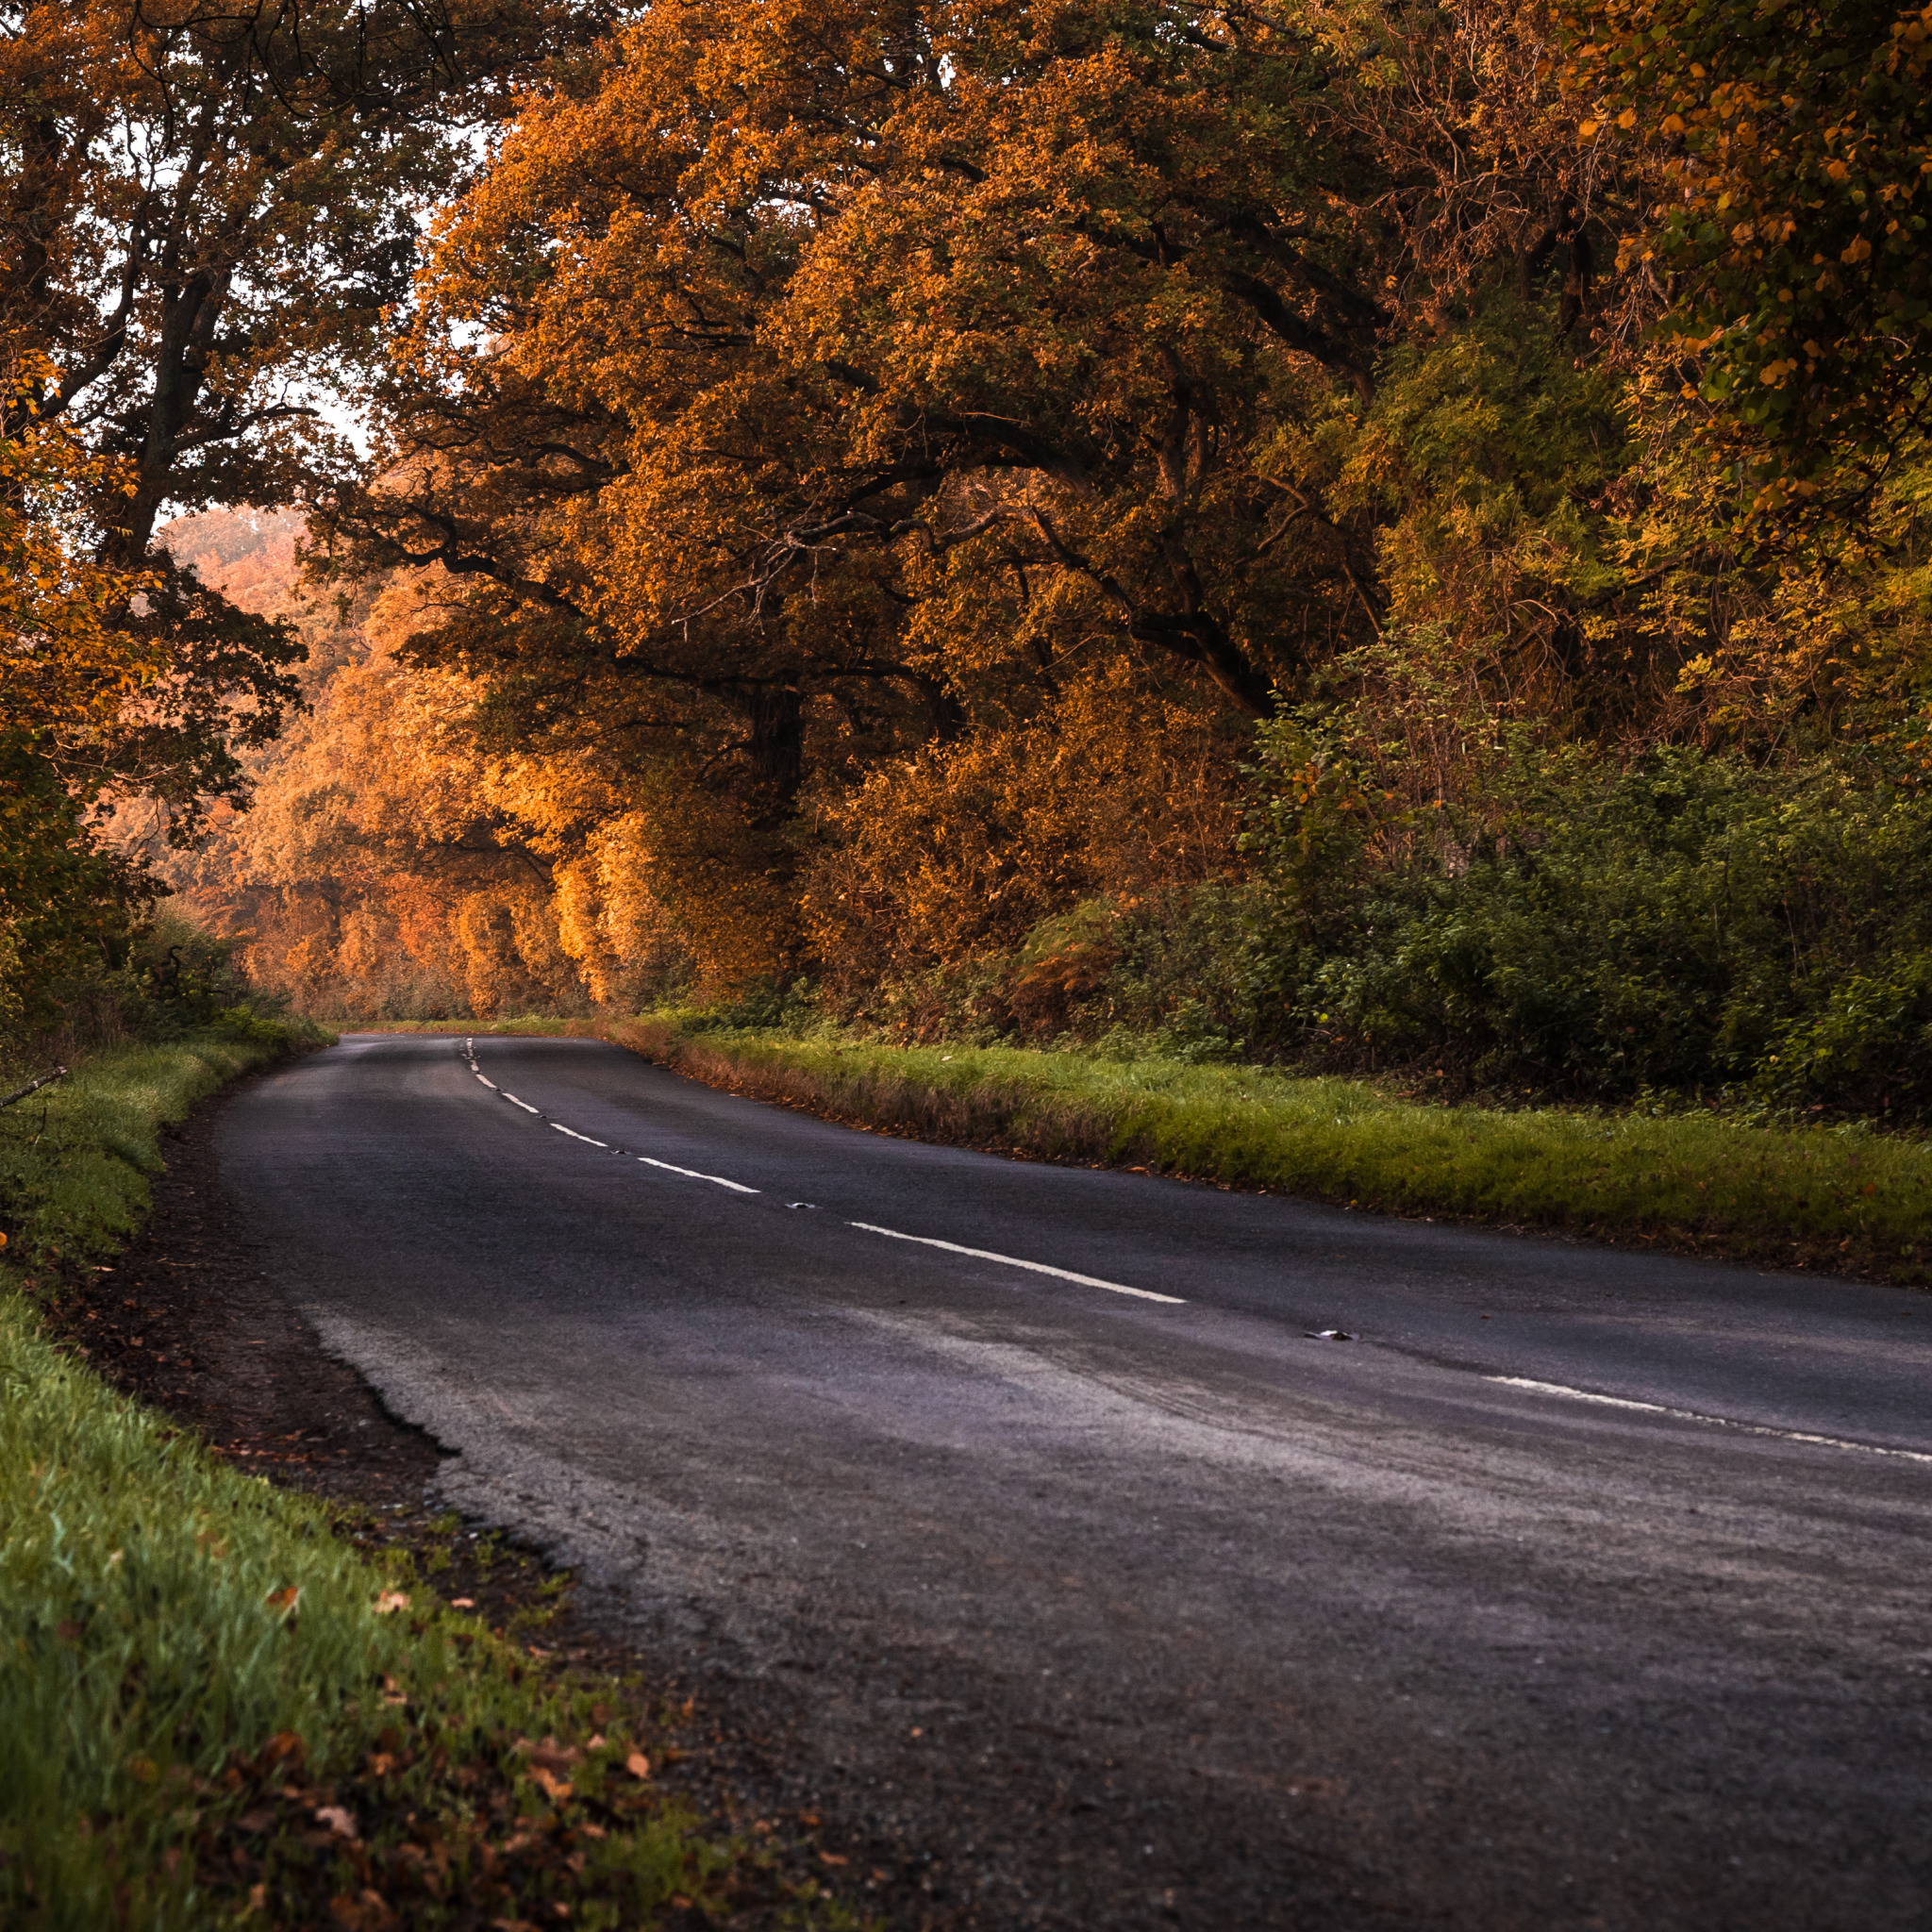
{"points": [[215, 1709], [1841, 1198]]}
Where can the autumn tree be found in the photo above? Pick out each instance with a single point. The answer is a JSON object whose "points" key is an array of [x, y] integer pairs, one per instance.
{"points": [[207, 212], [67, 676], [1794, 154], [802, 385]]}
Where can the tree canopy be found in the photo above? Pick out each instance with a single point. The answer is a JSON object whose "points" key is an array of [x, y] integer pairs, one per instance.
{"points": [[1795, 184], [856, 488]]}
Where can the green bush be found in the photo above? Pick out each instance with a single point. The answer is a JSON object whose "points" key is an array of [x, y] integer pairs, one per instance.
{"points": [[1687, 925]]}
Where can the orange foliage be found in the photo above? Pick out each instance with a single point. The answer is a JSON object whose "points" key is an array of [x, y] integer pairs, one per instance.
{"points": [[1118, 792], [390, 865]]}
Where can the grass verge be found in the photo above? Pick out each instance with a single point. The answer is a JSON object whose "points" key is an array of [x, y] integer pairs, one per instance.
{"points": [[214, 1711], [75, 1158], [1843, 1198]]}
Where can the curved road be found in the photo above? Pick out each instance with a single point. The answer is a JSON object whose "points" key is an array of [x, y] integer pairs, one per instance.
{"points": [[1579, 1589]]}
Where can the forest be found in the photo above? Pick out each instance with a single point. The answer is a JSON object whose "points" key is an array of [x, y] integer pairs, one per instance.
{"points": [[1375, 536]]}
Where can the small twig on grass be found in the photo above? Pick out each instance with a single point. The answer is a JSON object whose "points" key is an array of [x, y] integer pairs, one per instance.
{"points": [[34, 1086]]}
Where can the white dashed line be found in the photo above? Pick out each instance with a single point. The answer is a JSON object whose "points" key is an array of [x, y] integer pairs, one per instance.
{"points": [[690, 1173], [926, 1241], [1692, 1415]]}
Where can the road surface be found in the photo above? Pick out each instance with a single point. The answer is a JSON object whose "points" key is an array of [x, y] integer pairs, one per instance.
{"points": [[1066, 1545]]}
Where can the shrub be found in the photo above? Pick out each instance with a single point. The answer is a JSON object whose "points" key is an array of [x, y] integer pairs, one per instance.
{"points": [[1686, 923]]}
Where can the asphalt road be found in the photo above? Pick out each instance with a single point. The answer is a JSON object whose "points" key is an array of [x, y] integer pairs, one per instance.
{"points": [[1581, 1587]]}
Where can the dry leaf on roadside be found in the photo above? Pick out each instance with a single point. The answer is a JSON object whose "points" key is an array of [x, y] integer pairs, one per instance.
{"points": [[369, 1913], [638, 1764]]}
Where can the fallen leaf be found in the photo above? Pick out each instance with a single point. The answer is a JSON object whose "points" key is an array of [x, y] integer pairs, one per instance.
{"points": [[555, 1789], [462, 1603], [391, 1601], [638, 1764], [832, 1859], [369, 1913], [283, 1599], [337, 1819]]}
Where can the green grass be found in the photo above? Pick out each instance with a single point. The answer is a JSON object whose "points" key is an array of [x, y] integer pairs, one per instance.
{"points": [[1840, 1197], [212, 1709], [75, 1158], [185, 1644]]}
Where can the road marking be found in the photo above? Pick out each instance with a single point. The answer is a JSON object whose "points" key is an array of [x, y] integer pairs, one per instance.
{"points": [[690, 1173], [1692, 1415], [926, 1241]]}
